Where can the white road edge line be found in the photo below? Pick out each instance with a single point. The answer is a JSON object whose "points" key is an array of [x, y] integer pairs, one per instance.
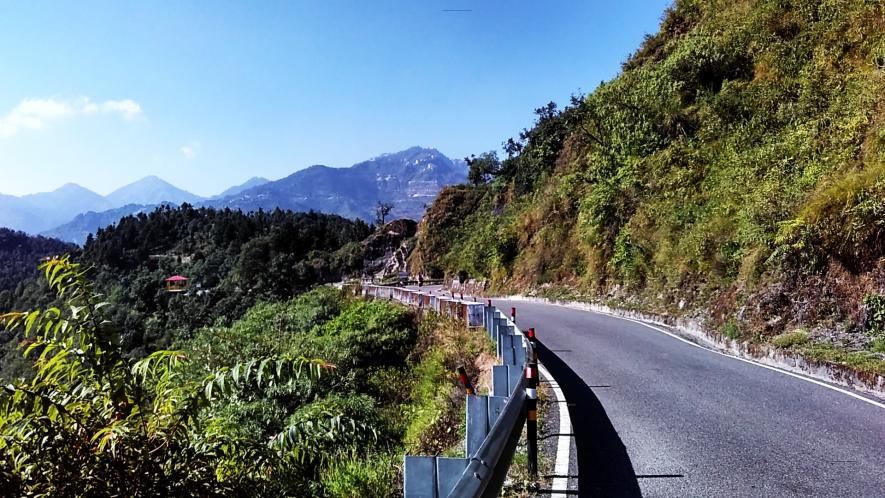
{"points": [[751, 362], [564, 439]]}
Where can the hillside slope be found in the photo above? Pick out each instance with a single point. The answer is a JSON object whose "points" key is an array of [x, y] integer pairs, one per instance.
{"points": [[733, 171], [19, 256], [84, 224]]}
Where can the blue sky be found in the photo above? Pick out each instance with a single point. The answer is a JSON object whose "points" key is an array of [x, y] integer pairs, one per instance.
{"points": [[209, 94]]}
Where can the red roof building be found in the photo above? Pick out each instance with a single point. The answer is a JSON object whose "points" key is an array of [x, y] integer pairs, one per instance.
{"points": [[177, 283]]}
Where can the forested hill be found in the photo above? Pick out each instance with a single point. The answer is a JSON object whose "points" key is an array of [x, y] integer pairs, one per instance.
{"points": [[251, 388], [20, 254], [735, 169], [233, 260]]}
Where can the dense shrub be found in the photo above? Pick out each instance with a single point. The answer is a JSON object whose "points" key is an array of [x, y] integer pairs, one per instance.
{"points": [[368, 335], [91, 422]]}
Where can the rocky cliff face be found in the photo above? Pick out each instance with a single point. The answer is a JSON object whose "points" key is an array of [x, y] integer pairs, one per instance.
{"points": [[387, 250]]}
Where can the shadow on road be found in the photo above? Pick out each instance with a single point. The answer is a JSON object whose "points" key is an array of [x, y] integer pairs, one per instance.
{"points": [[604, 467]]}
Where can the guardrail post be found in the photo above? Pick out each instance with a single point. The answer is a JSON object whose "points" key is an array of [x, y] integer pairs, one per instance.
{"points": [[505, 345], [419, 477], [496, 407], [448, 472], [515, 372], [489, 316], [519, 352], [531, 395], [465, 381]]}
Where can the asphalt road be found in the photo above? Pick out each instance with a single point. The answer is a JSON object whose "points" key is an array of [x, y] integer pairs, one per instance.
{"points": [[657, 417]]}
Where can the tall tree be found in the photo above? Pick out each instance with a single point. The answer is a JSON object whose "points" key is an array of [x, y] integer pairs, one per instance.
{"points": [[381, 212], [482, 168]]}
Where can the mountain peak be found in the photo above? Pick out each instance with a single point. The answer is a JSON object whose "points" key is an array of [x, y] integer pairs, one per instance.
{"points": [[151, 179], [151, 190], [37, 212], [411, 151], [72, 187], [255, 181]]}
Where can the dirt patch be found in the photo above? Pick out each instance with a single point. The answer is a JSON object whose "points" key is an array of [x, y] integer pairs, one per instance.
{"points": [[483, 364]]}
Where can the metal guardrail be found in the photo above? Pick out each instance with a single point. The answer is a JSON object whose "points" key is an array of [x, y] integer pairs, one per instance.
{"points": [[401, 281], [494, 423]]}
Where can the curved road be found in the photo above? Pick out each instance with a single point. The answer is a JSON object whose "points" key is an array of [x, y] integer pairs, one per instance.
{"points": [[657, 417]]}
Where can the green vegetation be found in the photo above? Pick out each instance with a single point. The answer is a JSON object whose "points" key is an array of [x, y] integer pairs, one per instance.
{"points": [[436, 413], [363, 478], [797, 337], [235, 410], [875, 305], [94, 423], [736, 166], [731, 330], [864, 361], [19, 254]]}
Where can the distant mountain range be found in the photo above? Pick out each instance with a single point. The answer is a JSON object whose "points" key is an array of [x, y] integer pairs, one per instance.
{"points": [[409, 180], [37, 212]]}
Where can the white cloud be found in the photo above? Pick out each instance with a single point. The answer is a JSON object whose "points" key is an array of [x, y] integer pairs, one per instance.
{"points": [[35, 114], [190, 150], [129, 109]]}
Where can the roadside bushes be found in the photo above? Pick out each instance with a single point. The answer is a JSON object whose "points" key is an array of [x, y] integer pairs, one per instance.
{"points": [[347, 425], [797, 337], [367, 336], [378, 477], [434, 412], [91, 421], [874, 315]]}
